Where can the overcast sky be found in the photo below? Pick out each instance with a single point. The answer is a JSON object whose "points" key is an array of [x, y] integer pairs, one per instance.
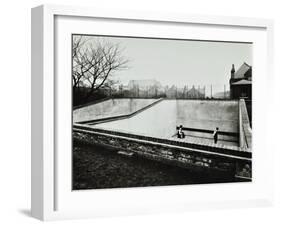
{"points": [[181, 62]]}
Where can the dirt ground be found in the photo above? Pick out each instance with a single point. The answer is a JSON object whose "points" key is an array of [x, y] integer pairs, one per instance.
{"points": [[96, 167]]}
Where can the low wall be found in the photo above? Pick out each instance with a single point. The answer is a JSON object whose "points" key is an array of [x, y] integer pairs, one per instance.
{"points": [[211, 147], [235, 164]]}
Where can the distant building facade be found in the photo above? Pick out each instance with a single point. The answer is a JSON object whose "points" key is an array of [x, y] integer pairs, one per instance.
{"points": [[151, 88], [145, 88], [144, 84], [194, 93], [241, 82]]}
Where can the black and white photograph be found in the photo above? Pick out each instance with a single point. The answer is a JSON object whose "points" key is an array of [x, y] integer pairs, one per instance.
{"points": [[156, 112]]}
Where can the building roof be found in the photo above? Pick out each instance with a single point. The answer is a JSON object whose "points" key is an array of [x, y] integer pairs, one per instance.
{"points": [[242, 82], [240, 73]]}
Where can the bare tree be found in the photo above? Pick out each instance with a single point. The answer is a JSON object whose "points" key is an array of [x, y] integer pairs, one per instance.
{"points": [[94, 63], [78, 63]]}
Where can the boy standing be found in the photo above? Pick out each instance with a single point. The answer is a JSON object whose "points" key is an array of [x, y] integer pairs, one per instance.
{"points": [[215, 135]]}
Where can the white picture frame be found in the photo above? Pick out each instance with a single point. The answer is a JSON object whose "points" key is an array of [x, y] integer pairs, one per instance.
{"points": [[45, 154]]}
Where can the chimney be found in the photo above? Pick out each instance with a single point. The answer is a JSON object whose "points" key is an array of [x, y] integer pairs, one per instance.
{"points": [[232, 71]]}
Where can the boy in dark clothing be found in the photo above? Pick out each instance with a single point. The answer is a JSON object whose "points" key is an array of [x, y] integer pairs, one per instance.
{"points": [[180, 133], [215, 135]]}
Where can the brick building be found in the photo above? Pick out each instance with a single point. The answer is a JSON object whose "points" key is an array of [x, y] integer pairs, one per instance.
{"points": [[241, 82]]}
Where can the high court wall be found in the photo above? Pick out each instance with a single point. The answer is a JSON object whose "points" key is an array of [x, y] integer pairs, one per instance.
{"points": [[206, 114]]}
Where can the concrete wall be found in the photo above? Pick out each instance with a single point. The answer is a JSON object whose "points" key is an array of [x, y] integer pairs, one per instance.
{"points": [[158, 121], [245, 131], [205, 114], [161, 119], [110, 108]]}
